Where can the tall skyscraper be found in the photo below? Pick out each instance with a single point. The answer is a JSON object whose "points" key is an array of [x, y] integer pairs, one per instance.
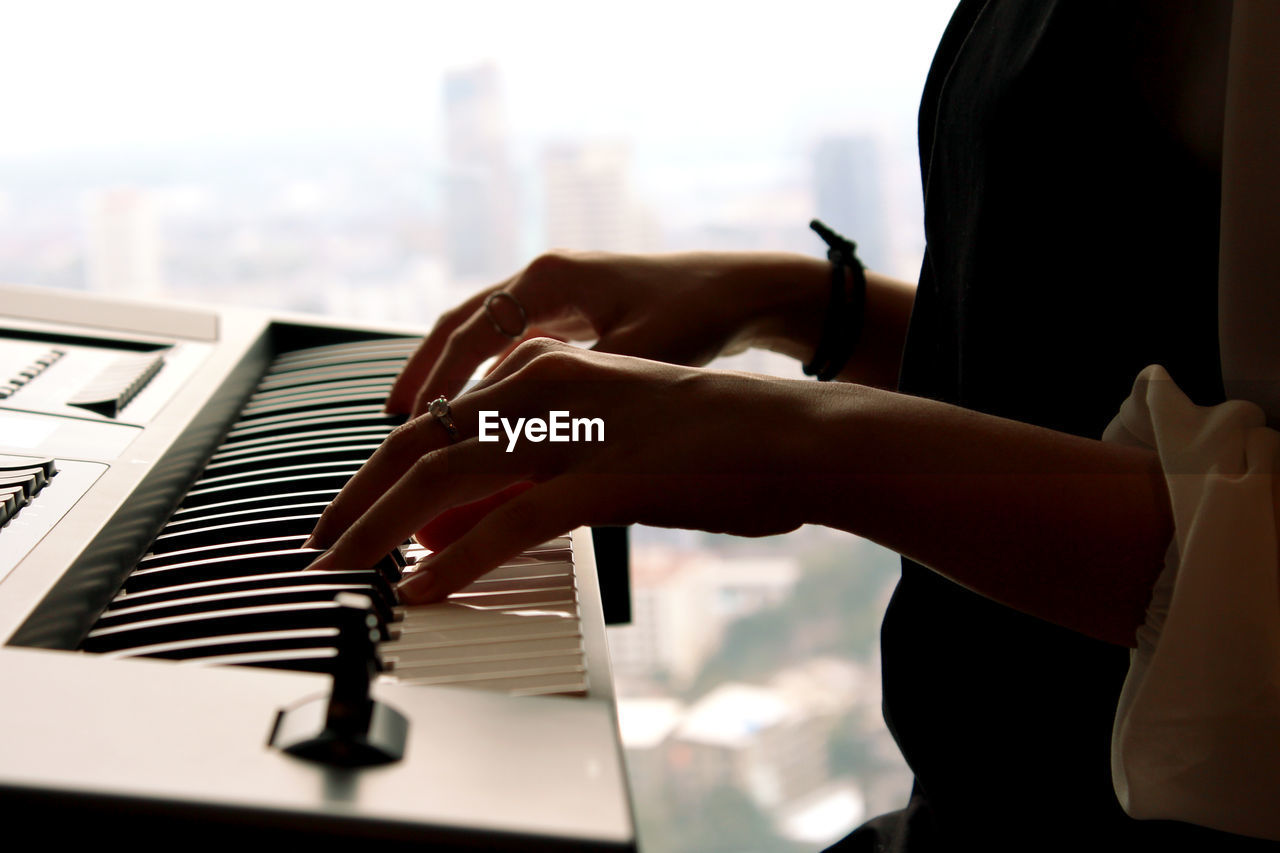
{"points": [[123, 254], [588, 202], [848, 188], [480, 193]]}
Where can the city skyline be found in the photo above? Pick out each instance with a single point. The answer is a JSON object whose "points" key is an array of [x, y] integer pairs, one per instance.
{"points": [[311, 157]]}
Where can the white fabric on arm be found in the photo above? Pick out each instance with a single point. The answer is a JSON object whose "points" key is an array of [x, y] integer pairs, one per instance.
{"points": [[1197, 730]]}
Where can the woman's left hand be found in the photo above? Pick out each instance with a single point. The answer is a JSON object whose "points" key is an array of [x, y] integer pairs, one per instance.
{"points": [[679, 447]]}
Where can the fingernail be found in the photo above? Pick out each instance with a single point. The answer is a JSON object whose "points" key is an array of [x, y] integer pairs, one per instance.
{"points": [[321, 563], [417, 588], [407, 591]]}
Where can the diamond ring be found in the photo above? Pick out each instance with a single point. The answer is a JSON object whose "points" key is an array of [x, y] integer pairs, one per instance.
{"points": [[439, 409]]}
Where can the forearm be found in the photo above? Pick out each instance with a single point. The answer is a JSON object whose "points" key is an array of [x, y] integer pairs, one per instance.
{"points": [[1068, 529], [789, 296]]}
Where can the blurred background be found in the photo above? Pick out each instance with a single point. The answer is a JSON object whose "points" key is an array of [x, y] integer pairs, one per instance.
{"points": [[380, 160]]}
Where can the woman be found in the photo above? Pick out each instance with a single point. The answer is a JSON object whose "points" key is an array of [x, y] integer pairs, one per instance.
{"points": [[1072, 161]]}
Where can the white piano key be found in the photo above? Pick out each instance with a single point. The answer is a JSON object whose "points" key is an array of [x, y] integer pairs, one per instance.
{"points": [[497, 667], [523, 567], [525, 599], [567, 681], [517, 583], [400, 653]]}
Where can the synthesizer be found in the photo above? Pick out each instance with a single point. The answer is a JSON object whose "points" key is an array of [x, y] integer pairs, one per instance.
{"points": [[169, 667]]}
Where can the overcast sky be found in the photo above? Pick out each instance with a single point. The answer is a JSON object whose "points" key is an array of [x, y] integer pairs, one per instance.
{"points": [[80, 76]]}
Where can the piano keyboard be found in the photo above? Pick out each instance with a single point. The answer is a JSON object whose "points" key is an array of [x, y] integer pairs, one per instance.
{"points": [[224, 582], [158, 614]]}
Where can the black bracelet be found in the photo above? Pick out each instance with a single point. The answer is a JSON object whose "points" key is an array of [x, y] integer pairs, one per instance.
{"points": [[843, 324]]}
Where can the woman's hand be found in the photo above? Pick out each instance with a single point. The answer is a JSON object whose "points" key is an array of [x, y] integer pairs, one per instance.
{"points": [[681, 309], [1065, 528], [681, 447]]}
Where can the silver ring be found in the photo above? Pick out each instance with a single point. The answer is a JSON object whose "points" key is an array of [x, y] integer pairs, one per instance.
{"points": [[524, 316], [439, 409]]}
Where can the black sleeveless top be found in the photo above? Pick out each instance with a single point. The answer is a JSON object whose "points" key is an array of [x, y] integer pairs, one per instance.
{"points": [[1071, 240]]}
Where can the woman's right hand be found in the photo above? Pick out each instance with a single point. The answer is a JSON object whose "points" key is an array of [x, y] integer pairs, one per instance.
{"points": [[683, 309]]}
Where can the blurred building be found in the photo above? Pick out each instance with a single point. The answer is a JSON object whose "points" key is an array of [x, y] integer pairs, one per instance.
{"points": [[644, 725], [480, 189], [123, 255], [670, 634], [682, 600], [753, 739], [588, 199], [771, 743]]}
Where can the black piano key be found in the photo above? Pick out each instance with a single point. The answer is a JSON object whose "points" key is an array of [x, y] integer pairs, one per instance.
{"points": [[266, 396], [250, 642], [214, 568], [311, 438], [208, 516], [294, 363], [217, 549], [372, 370], [245, 545], [398, 343], [286, 425], [334, 414], [268, 457], [319, 660], [211, 603], [267, 473], [273, 488], [201, 510], [237, 565], [278, 617], [376, 584], [313, 404], [316, 358], [189, 536], [368, 360]]}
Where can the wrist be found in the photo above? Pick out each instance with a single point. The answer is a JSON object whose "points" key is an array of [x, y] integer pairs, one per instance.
{"points": [[784, 297]]}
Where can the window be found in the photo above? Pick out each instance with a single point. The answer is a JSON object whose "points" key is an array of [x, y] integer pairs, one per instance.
{"points": [[380, 160]]}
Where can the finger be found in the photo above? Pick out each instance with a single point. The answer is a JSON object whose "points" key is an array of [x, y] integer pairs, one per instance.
{"points": [[398, 452], [449, 526], [543, 512], [480, 337], [396, 455], [514, 345], [468, 346], [402, 449], [520, 357], [414, 373], [427, 489]]}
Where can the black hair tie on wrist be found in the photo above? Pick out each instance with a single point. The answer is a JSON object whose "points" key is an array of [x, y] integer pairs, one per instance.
{"points": [[843, 324]]}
